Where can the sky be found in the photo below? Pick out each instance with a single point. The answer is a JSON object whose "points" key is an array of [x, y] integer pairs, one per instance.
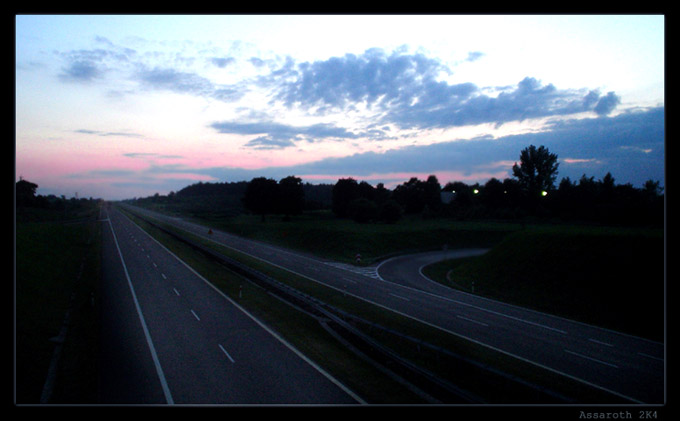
{"points": [[123, 106]]}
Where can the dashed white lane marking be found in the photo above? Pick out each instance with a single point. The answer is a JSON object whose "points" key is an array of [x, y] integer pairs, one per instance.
{"points": [[226, 353], [650, 356], [400, 297], [600, 342], [473, 321], [195, 315], [591, 358]]}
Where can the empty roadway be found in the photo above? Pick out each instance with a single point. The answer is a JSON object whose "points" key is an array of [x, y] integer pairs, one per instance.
{"points": [[169, 337], [631, 367]]}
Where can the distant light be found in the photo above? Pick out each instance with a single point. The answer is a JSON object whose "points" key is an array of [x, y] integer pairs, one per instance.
{"points": [[475, 191], [544, 193]]}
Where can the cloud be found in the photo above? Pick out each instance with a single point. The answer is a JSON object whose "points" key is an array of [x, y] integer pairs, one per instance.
{"points": [[175, 81], [80, 71], [607, 103], [441, 105], [278, 136], [474, 56], [106, 134], [222, 62], [374, 78], [400, 89], [406, 90], [86, 65], [156, 70], [170, 79], [270, 142]]}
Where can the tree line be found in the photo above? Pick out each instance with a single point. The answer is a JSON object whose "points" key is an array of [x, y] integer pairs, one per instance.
{"points": [[530, 193], [26, 201]]}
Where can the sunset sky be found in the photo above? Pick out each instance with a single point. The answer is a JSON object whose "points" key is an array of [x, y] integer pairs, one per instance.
{"points": [[124, 106]]}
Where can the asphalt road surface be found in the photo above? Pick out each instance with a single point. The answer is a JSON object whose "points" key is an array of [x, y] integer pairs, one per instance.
{"points": [[630, 367], [168, 337]]}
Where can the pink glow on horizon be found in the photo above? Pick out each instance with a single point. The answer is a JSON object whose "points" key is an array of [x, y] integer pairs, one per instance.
{"points": [[186, 176]]}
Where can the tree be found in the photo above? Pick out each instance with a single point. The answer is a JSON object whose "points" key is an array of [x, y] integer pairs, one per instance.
{"points": [[291, 196], [536, 171], [25, 192], [493, 195], [260, 196], [414, 195], [389, 212], [433, 192], [345, 191], [363, 210]]}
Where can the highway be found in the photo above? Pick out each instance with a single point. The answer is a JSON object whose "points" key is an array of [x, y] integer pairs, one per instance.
{"points": [[630, 367], [169, 337]]}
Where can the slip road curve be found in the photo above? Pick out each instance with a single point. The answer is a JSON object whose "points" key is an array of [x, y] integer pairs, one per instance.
{"points": [[630, 367]]}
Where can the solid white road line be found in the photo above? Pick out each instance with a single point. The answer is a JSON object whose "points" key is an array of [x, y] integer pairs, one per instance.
{"points": [[154, 356]]}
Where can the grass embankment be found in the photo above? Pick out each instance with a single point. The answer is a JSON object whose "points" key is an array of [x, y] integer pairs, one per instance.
{"points": [[611, 277], [324, 235], [49, 255]]}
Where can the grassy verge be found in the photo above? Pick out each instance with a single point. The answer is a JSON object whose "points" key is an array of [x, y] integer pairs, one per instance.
{"points": [[324, 235], [49, 255], [608, 277], [496, 389]]}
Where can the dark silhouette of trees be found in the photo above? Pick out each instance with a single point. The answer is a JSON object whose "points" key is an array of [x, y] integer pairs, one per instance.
{"points": [[363, 202], [603, 201], [25, 193], [264, 196], [529, 193], [415, 195], [291, 196], [345, 191], [318, 196], [390, 211], [32, 207], [363, 210], [260, 196], [537, 170]]}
